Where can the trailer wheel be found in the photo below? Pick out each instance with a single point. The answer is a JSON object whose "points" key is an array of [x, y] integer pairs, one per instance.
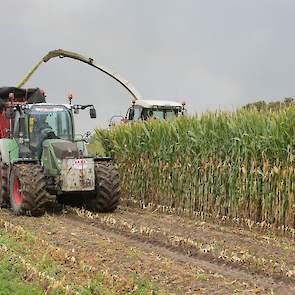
{"points": [[107, 192], [27, 192]]}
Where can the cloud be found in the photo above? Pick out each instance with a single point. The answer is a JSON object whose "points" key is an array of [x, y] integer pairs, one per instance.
{"points": [[215, 54]]}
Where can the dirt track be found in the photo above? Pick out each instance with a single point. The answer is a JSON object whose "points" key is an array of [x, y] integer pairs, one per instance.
{"points": [[178, 255]]}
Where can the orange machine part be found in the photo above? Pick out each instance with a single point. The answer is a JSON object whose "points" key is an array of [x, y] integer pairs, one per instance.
{"points": [[4, 125]]}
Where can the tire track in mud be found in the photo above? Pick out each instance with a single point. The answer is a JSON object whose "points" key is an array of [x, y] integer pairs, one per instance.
{"points": [[122, 252], [176, 254], [118, 259], [183, 254], [247, 250]]}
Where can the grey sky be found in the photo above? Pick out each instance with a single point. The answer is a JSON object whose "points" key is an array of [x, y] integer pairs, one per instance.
{"points": [[212, 53]]}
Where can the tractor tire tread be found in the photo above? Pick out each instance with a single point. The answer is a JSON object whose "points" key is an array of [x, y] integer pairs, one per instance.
{"points": [[35, 198], [107, 188]]}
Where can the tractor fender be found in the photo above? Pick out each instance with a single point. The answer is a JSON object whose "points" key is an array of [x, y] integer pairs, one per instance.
{"points": [[8, 150]]}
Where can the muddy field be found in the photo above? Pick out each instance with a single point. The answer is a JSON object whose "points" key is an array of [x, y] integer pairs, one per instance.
{"points": [[174, 254]]}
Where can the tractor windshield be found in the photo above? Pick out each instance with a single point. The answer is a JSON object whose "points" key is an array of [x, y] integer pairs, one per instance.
{"points": [[47, 119], [159, 113]]}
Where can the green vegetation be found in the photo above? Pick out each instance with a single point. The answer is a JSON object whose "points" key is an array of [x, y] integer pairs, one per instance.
{"points": [[138, 286], [200, 276], [261, 105], [21, 265], [95, 287], [228, 164], [95, 147], [27, 248], [142, 287], [13, 279]]}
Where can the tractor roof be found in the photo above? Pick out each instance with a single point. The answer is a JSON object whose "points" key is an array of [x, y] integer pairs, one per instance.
{"points": [[157, 103], [66, 105]]}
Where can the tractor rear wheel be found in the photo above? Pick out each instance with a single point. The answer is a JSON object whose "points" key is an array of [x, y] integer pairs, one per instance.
{"points": [[27, 192], [107, 191]]}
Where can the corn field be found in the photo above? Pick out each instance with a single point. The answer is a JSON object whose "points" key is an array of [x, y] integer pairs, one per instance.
{"points": [[239, 165]]}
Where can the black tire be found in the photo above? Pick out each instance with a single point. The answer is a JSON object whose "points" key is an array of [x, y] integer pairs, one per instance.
{"points": [[27, 190], [3, 183], [107, 191]]}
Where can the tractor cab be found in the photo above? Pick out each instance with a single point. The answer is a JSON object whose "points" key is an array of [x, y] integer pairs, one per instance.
{"points": [[48, 122], [39, 125]]}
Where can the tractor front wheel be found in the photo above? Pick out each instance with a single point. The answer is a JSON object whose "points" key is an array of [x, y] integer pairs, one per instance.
{"points": [[27, 192], [106, 198]]}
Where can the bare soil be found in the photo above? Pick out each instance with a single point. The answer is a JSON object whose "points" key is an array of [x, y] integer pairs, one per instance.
{"points": [[177, 255]]}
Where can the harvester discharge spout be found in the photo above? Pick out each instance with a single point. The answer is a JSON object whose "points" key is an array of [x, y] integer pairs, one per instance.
{"points": [[88, 60]]}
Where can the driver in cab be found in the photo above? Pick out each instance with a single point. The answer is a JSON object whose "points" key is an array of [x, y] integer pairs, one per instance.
{"points": [[40, 130]]}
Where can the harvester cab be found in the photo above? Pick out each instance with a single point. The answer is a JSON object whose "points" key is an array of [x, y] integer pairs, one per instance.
{"points": [[41, 160], [150, 109]]}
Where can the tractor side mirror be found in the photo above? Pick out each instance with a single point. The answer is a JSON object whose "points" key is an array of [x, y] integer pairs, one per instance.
{"points": [[131, 114], [92, 113]]}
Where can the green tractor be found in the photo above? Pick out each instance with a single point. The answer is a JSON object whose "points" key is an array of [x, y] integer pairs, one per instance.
{"points": [[42, 163]]}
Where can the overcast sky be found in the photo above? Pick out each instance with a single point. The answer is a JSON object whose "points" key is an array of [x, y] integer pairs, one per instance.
{"points": [[213, 54]]}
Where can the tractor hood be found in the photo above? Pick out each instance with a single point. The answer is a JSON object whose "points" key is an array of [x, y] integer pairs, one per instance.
{"points": [[65, 160], [55, 150], [65, 149]]}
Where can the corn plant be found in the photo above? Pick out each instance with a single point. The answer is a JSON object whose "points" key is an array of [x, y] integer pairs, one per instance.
{"points": [[227, 164]]}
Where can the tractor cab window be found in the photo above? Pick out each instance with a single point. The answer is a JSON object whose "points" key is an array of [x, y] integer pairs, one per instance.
{"points": [[151, 113], [137, 111], [134, 113], [53, 120], [158, 113], [172, 113]]}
